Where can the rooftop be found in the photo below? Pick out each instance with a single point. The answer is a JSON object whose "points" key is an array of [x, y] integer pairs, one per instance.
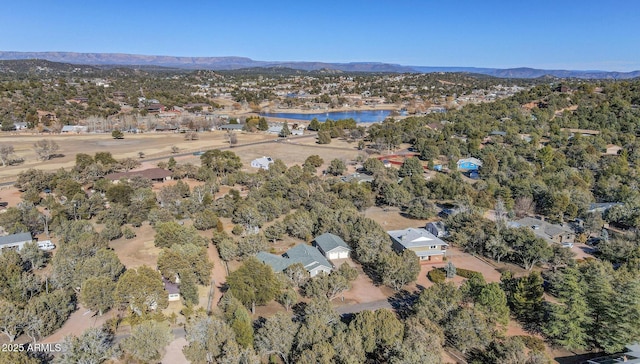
{"points": [[327, 242], [15, 238], [415, 238]]}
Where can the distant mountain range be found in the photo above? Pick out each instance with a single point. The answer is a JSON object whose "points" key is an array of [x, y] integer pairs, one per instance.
{"points": [[234, 63]]}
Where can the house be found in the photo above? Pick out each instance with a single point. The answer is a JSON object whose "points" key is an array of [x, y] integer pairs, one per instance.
{"points": [[332, 246], [428, 247], [469, 164], [73, 129], [631, 356], [276, 129], [154, 174], [20, 126], [262, 163], [613, 149], [155, 108], [172, 289], [358, 177], [437, 228], [552, 233], [310, 258], [231, 127], [15, 241]]}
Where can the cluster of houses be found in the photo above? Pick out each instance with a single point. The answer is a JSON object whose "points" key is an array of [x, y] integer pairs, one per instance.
{"points": [[316, 258]]}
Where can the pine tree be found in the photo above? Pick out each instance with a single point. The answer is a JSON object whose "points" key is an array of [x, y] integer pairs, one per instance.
{"points": [[569, 321]]}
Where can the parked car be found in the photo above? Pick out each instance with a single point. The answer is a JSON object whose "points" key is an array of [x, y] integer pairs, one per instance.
{"points": [[567, 245]]}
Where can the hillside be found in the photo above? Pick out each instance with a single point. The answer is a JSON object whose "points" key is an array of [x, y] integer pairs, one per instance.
{"points": [[233, 63]]}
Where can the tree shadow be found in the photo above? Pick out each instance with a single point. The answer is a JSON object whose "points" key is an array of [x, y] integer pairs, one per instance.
{"points": [[403, 301]]}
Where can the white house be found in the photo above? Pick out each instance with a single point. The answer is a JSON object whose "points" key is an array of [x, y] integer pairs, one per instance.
{"points": [[332, 246], [262, 163], [15, 241], [428, 247]]}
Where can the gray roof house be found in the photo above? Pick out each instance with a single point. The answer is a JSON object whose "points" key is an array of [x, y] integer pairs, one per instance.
{"points": [[332, 246], [311, 258], [552, 233], [15, 241], [262, 163], [231, 127], [428, 247]]}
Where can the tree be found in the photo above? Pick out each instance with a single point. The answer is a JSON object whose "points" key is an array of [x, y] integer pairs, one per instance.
{"points": [[45, 148], [468, 328], [314, 125], [284, 132], [276, 336], [411, 166], [313, 161], [205, 220], [7, 125], [6, 150], [262, 124], [324, 137], [569, 319], [253, 283], [209, 339], [398, 270], [181, 260], [148, 340], [97, 293], [141, 290], [11, 319], [380, 329], [221, 162], [32, 254], [336, 167], [94, 346], [170, 233], [242, 326], [117, 134]]}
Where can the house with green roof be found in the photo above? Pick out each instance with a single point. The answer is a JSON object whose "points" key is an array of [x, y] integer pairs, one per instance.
{"points": [[332, 246], [311, 258]]}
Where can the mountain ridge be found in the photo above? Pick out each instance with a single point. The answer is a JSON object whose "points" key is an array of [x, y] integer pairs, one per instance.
{"points": [[236, 62]]}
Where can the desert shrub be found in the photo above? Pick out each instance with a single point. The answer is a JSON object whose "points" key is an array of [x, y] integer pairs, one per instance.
{"points": [[466, 273], [437, 275], [532, 343]]}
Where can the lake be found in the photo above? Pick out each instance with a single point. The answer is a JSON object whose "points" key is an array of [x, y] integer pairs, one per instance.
{"points": [[360, 116]]}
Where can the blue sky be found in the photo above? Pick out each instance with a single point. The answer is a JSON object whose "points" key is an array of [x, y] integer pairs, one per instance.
{"points": [[582, 35]]}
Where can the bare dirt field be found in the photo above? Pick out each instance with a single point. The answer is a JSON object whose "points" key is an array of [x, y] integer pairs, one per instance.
{"points": [[138, 251]]}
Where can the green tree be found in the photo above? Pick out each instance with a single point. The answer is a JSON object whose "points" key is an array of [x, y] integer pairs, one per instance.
{"points": [[262, 124], [97, 293], [254, 283], [276, 336], [148, 340], [314, 125], [141, 290], [11, 319], [33, 255], [242, 326], [117, 134], [569, 319], [95, 345], [324, 137], [398, 270], [336, 167], [284, 132]]}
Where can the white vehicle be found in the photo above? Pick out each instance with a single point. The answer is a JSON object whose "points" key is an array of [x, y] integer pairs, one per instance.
{"points": [[567, 245], [46, 245]]}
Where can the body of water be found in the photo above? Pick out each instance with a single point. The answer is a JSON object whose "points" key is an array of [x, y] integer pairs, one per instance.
{"points": [[360, 116]]}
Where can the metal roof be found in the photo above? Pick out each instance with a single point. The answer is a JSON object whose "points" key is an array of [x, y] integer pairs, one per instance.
{"points": [[327, 242], [15, 238]]}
